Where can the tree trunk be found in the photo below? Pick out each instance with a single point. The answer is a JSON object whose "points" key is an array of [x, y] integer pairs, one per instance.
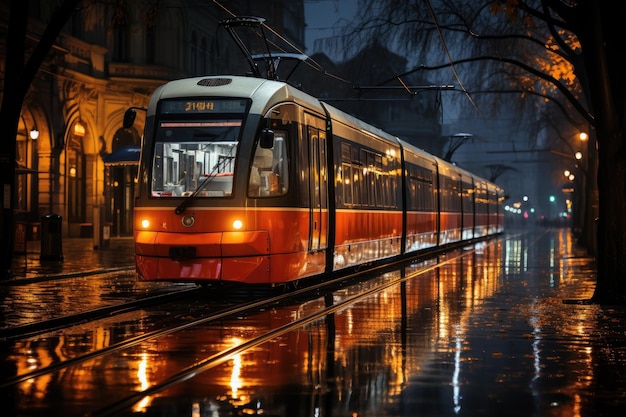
{"points": [[600, 32], [611, 282]]}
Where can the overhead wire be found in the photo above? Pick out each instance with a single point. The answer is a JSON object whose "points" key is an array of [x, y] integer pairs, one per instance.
{"points": [[310, 61], [447, 51], [318, 67]]}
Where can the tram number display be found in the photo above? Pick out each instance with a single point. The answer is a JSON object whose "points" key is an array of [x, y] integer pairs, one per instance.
{"points": [[188, 106], [200, 106]]}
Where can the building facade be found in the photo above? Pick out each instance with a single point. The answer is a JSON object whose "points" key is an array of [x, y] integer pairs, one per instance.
{"points": [[111, 56]]}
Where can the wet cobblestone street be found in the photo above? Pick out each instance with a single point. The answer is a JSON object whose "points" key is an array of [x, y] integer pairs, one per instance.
{"points": [[498, 332]]}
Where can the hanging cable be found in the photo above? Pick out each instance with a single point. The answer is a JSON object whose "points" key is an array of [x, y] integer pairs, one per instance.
{"points": [[447, 51]]}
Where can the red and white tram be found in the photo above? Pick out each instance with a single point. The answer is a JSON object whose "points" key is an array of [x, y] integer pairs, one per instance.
{"points": [[251, 180]]}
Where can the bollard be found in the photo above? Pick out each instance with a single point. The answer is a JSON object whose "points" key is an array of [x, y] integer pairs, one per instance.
{"points": [[51, 238], [20, 238], [106, 234]]}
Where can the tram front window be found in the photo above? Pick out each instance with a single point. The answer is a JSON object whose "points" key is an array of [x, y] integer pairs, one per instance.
{"points": [[195, 155]]}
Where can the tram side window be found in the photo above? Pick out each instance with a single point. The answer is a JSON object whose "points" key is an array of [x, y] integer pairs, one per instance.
{"points": [[468, 197], [366, 179], [493, 201], [450, 200], [269, 171], [352, 176], [481, 200], [389, 184], [421, 196]]}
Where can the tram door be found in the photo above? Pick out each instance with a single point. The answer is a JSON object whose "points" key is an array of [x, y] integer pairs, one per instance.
{"points": [[318, 185]]}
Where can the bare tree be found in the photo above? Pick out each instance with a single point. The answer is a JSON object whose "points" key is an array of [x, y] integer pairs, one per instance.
{"points": [[564, 55]]}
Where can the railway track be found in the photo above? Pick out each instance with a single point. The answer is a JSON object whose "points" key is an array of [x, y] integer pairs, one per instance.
{"points": [[359, 292], [59, 323], [348, 290], [226, 310]]}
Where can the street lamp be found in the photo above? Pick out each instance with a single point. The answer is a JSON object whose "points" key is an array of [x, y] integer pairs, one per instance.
{"points": [[34, 133]]}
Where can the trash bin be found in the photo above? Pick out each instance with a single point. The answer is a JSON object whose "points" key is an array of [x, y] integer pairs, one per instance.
{"points": [[51, 238]]}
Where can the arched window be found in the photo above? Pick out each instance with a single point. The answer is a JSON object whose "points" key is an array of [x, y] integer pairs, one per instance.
{"points": [[75, 171], [77, 23], [120, 37]]}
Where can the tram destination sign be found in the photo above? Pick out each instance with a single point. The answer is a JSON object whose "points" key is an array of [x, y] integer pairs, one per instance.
{"points": [[203, 106]]}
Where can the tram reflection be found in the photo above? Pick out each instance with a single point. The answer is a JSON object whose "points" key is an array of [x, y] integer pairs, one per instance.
{"points": [[356, 361]]}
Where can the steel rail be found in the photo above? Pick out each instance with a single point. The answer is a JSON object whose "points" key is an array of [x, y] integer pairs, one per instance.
{"points": [[221, 314], [226, 354], [44, 326]]}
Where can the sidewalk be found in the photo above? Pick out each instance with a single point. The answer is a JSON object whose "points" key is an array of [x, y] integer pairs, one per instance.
{"points": [[79, 258]]}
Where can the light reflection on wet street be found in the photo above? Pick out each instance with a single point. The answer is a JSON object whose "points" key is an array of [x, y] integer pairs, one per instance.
{"points": [[485, 335]]}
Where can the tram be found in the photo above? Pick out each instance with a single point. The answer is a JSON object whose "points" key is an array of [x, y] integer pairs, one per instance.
{"points": [[251, 180]]}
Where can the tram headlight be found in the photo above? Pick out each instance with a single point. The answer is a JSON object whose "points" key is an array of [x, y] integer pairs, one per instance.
{"points": [[237, 224], [145, 223]]}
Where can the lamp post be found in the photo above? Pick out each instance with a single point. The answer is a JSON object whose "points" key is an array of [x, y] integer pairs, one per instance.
{"points": [[34, 165], [589, 165], [584, 191]]}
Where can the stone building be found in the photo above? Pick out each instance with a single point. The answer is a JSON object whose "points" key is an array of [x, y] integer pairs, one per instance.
{"points": [[111, 56]]}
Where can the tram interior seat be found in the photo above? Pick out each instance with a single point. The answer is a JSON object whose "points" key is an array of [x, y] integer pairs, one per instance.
{"points": [[261, 170], [264, 159]]}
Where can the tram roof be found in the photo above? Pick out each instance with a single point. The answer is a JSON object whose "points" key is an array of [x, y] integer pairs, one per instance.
{"points": [[264, 93]]}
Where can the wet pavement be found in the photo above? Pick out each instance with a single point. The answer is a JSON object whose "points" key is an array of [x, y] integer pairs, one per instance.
{"points": [[73, 257], [492, 334]]}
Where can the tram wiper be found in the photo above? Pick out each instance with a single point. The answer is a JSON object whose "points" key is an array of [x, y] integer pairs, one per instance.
{"points": [[187, 201], [193, 196]]}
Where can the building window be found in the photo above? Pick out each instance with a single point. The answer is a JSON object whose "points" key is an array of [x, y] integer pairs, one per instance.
{"points": [[204, 56], [75, 170], [77, 24], [120, 36], [193, 65], [151, 48], [150, 45]]}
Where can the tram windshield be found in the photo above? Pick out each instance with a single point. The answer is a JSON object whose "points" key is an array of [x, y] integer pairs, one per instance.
{"points": [[196, 155], [188, 155]]}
